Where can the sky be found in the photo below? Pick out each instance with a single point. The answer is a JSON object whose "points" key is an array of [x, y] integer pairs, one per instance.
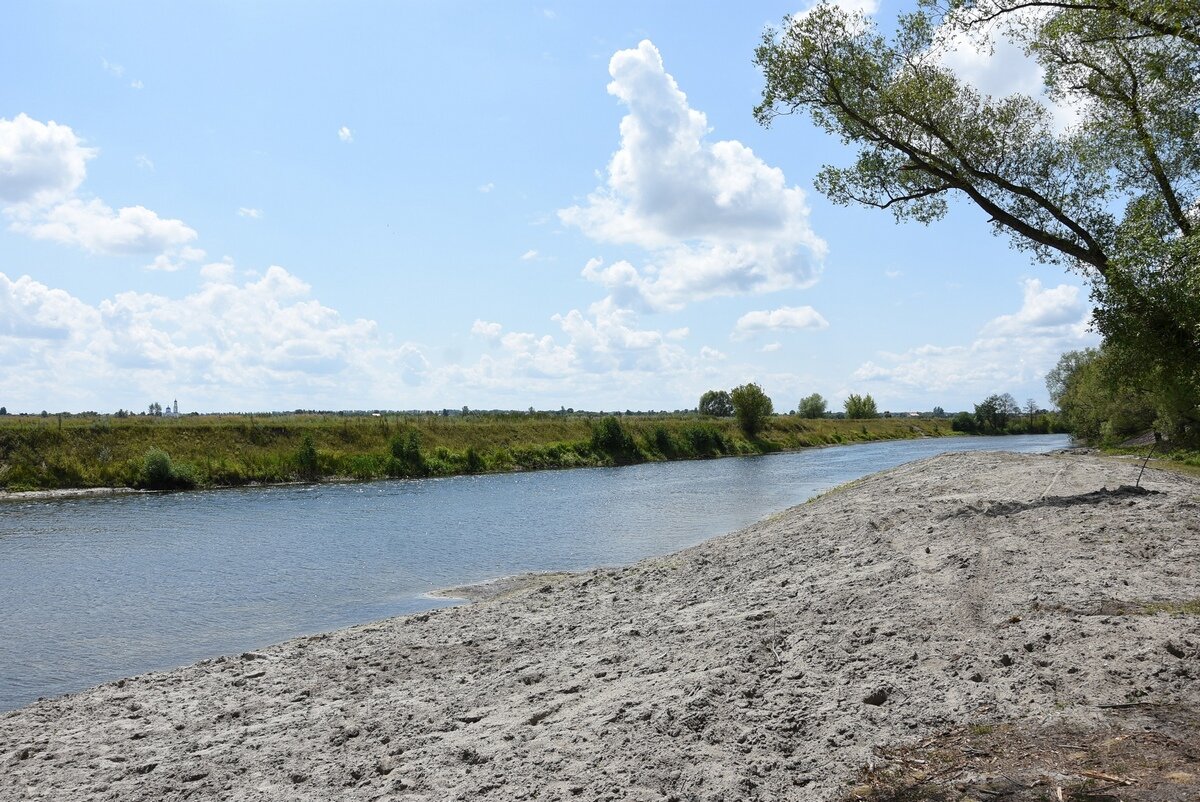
{"points": [[425, 205]]}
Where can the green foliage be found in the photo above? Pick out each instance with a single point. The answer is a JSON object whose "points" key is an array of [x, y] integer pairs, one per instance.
{"points": [[812, 406], [964, 422], [994, 412], [306, 458], [861, 407], [1097, 399], [160, 473], [1114, 197], [407, 459], [609, 437], [751, 408], [716, 403]]}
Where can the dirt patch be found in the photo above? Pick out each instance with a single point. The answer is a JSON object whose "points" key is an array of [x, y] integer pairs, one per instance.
{"points": [[1149, 753]]}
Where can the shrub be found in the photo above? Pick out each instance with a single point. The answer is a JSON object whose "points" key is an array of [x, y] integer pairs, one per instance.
{"points": [[716, 403], [406, 454], [306, 458], [159, 473], [751, 407], [609, 437]]}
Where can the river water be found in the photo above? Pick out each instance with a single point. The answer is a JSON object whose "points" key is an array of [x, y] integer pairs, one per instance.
{"points": [[93, 589]]}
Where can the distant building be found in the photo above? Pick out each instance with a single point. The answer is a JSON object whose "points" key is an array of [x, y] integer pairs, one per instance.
{"points": [[172, 411]]}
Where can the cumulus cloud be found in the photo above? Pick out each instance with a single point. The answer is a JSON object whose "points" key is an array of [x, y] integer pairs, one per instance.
{"points": [[253, 214], [97, 228], [43, 165], [865, 7], [529, 255], [40, 162], [486, 188], [785, 318], [713, 217], [1010, 350], [266, 342], [345, 134]]}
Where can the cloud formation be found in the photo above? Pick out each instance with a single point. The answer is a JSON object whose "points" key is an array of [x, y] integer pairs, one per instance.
{"points": [[265, 341], [1010, 350], [785, 318], [713, 217], [43, 165], [345, 134]]}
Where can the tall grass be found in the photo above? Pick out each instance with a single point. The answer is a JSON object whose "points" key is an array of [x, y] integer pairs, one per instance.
{"points": [[213, 450]]}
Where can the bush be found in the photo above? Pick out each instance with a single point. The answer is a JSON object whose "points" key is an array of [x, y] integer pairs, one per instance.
{"points": [[609, 437], [159, 473], [860, 407], [407, 459], [751, 407], [306, 459], [963, 422]]}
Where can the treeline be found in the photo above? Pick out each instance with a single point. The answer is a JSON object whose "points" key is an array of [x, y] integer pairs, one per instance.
{"points": [[1000, 414], [203, 451], [1105, 399]]}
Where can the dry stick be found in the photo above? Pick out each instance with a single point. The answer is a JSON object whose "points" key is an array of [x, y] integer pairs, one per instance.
{"points": [[1147, 459]]}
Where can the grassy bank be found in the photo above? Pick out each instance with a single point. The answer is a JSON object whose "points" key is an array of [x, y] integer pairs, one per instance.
{"points": [[199, 451]]}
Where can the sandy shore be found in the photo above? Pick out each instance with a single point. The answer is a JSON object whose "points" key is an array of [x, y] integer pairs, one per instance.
{"points": [[960, 596]]}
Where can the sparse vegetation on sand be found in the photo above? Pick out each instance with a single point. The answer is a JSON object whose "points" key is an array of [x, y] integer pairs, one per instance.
{"points": [[39, 453]]}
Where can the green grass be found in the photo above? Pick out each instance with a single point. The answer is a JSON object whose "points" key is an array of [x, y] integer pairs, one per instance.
{"points": [[217, 450]]}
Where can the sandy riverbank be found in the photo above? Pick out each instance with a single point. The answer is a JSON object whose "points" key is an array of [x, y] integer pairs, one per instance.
{"points": [[968, 596]]}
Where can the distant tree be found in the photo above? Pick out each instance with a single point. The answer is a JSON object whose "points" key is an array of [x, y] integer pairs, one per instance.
{"points": [[994, 412], [1030, 409], [3, 410], [716, 403], [938, 412], [812, 406], [751, 407], [861, 407]]}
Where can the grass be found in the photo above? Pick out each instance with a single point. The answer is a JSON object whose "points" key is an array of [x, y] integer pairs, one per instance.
{"points": [[84, 451]]}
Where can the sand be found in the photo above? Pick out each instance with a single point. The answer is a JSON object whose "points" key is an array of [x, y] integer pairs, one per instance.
{"points": [[973, 590]]}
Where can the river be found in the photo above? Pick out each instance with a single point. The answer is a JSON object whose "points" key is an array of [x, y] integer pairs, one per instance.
{"points": [[93, 589]]}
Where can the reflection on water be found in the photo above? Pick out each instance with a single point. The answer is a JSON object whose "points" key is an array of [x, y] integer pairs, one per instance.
{"points": [[95, 589]]}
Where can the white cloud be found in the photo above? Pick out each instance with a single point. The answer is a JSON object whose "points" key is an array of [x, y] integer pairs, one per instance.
{"points": [[711, 354], [40, 163], [715, 219], [253, 214], [97, 228], [486, 188], [42, 166], [785, 318], [893, 274], [136, 84], [345, 134], [265, 342], [483, 328], [143, 161], [771, 348], [112, 69], [529, 255], [1010, 350]]}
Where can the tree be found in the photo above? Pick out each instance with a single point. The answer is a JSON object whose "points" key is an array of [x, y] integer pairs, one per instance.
{"points": [[812, 406], [3, 410], [751, 407], [994, 412], [861, 406], [938, 412], [1114, 197], [716, 403], [1096, 399]]}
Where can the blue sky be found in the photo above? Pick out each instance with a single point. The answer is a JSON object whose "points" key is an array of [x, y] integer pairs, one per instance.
{"points": [[254, 206]]}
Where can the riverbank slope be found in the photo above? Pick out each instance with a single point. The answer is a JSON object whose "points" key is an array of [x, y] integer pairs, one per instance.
{"points": [[95, 451], [934, 606]]}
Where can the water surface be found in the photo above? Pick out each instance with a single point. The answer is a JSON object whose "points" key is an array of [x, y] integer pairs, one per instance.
{"points": [[93, 589]]}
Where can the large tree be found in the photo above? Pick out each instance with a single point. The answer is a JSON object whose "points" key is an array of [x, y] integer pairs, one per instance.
{"points": [[1116, 196]]}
